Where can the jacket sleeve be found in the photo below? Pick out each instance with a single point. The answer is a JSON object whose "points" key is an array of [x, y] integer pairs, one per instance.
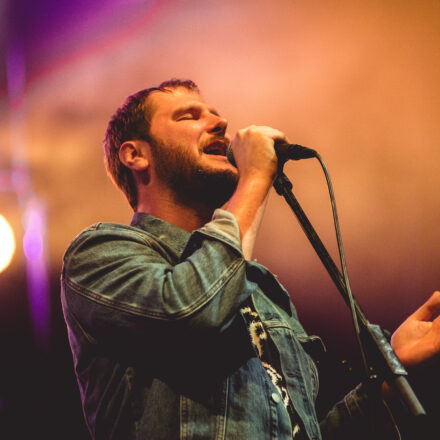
{"points": [[119, 279], [359, 416]]}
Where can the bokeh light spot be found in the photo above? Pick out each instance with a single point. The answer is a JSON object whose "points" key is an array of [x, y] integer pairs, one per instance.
{"points": [[32, 245], [7, 243]]}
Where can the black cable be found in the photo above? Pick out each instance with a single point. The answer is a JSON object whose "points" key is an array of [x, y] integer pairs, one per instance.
{"points": [[343, 266], [382, 356]]}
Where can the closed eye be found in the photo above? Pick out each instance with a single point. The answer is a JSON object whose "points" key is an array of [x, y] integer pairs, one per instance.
{"points": [[186, 117], [188, 112]]}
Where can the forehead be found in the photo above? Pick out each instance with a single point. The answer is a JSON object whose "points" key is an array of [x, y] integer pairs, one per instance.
{"points": [[165, 103]]}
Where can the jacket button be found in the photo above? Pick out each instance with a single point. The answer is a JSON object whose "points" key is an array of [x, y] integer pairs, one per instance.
{"points": [[276, 397]]}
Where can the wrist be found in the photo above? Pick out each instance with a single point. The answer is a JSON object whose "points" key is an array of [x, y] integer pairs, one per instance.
{"points": [[247, 200], [257, 180]]}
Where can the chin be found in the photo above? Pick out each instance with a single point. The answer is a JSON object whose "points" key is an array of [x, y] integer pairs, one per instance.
{"points": [[212, 187], [216, 163]]}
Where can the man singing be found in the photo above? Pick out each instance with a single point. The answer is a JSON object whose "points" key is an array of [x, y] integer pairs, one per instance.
{"points": [[175, 332]]}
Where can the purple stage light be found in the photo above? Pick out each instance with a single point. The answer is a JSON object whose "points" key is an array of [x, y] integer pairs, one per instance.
{"points": [[34, 221], [33, 240], [34, 218]]}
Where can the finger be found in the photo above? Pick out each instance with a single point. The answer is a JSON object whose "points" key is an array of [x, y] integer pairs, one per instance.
{"points": [[277, 135], [429, 309], [273, 133]]}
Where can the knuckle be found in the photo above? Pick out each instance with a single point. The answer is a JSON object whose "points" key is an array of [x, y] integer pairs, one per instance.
{"points": [[253, 130], [241, 133]]}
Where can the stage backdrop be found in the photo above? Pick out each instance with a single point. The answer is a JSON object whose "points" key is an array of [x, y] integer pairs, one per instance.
{"points": [[357, 81]]}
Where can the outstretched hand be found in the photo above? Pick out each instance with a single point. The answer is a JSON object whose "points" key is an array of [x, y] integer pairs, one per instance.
{"points": [[417, 340]]}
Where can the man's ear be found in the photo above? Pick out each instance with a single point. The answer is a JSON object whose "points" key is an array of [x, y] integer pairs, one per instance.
{"points": [[133, 154]]}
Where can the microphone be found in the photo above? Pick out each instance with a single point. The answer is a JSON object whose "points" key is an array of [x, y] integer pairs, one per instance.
{"points": [[284, 152]]}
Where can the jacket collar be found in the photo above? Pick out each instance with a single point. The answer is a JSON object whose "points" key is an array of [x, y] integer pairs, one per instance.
{"points": [[168, 234]]}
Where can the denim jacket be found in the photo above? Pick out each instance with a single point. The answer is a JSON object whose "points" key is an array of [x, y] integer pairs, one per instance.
{"points": [[161, 350]]}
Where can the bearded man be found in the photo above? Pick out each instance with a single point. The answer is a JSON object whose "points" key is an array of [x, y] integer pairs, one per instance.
{"points": [[175, 332]]}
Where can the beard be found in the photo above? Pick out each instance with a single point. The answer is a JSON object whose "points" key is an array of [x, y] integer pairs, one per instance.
{"points": [[191, 181]]}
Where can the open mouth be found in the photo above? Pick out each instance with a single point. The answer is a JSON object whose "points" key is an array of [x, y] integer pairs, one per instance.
{"points": [[217, 148]]}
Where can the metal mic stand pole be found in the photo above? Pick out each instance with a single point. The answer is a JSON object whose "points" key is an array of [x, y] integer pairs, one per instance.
{"points": [[381, 358]]}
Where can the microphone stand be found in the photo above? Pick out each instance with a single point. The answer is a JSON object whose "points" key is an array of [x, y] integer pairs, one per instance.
{"points": [[381, 360]]}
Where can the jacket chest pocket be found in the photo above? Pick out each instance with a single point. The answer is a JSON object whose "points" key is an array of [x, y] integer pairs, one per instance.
{"points": [[298, 367]]}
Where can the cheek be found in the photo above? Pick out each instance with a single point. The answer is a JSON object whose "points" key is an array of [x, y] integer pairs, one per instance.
{"points": [[186, 134], [179, 133]]}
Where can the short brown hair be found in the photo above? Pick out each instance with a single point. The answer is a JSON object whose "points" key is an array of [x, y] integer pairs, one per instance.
{"points": [[132, 121]]}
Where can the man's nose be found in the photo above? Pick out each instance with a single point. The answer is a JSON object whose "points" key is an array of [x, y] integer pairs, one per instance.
{"points": [[219, 125]]}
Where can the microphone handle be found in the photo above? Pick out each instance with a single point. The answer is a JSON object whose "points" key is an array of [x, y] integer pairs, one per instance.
{"points": [[293, 151]]}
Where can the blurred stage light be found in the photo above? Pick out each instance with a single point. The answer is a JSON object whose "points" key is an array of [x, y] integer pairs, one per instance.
{"points": [[7, 240], [33, 238]]}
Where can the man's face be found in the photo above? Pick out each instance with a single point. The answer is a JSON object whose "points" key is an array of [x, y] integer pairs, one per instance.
{"points": [[188, 145]]}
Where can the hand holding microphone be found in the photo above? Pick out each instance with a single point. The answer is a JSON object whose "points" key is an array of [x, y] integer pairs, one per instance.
{"points": [[254, 154], [283, 150]]}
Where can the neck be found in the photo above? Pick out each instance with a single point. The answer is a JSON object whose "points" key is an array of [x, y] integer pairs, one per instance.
{"points": [[164, 205]]}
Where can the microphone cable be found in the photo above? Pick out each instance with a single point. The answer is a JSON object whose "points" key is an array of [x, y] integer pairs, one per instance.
{"points": [[343, 264]]}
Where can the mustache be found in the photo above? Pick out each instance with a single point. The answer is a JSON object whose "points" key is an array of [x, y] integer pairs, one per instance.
{"points": [[216, 138]]}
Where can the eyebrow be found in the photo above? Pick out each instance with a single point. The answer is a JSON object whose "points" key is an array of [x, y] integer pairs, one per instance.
{"points": [[194, 106]]}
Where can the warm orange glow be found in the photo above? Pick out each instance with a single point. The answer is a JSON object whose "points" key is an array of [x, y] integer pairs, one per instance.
{"points": [[7, 241], [358, 82]]}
